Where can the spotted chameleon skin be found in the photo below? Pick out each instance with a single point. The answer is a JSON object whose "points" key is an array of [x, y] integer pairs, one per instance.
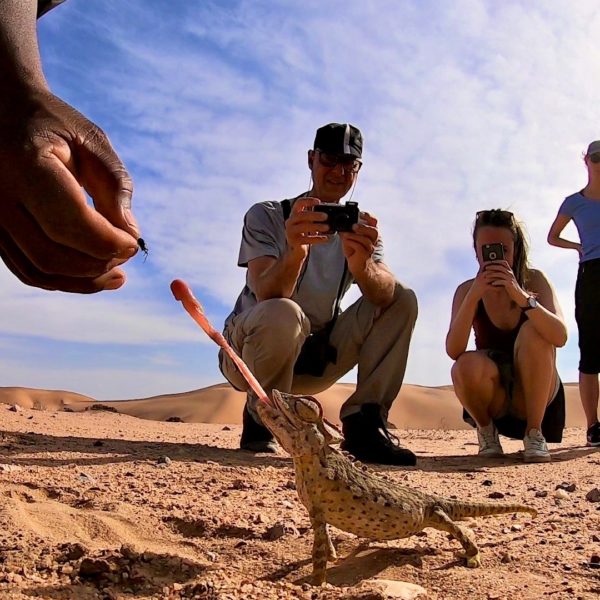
{"points": [[348, 495]]}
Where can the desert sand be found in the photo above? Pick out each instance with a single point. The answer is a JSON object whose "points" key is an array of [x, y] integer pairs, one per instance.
{"points": [[151, 498]]}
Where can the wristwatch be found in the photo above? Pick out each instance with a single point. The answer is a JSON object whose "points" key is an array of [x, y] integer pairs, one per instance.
{"points": [[531, 304]]}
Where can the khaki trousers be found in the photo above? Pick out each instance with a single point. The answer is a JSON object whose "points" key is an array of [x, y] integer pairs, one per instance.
{"points": [[269, 337]]}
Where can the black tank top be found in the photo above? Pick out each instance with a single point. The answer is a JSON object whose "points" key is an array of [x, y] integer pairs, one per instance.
{"points": [[490, 337]]}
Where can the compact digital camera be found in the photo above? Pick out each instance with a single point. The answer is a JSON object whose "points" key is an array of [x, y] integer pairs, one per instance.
{"points": [[492, 252], [340, 217]]}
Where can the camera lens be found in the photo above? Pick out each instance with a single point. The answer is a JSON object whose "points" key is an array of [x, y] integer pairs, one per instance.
{"points": [[493, 256], [340, 222]]}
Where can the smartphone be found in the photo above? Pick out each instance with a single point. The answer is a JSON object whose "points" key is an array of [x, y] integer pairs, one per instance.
{"points": [[492, 252]]}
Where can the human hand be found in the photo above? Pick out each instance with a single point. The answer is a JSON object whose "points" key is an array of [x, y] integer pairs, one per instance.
{"points": [[304, 226], [498, 274], [49, 236], [360, 243]]}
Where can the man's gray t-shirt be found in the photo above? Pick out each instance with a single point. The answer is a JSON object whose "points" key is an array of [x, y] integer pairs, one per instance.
{"points": [[319, 281]]}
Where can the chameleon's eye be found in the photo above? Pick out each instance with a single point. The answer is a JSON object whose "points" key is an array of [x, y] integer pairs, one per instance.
{"points": [[308, 409]]}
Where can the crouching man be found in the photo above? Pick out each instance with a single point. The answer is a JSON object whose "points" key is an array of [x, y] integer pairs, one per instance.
{"points": [[287, 324]]}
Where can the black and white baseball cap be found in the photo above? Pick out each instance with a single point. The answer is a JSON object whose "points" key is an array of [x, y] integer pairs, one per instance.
{"points": [[594, 148], [339, 138]]}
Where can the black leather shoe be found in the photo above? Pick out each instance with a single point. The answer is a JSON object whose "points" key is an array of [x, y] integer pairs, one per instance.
{"points": [[366, 437], [255, 437]]}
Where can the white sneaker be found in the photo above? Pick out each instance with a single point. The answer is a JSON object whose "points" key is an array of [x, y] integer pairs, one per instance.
{"points": [[489, 442], [536, 449]]}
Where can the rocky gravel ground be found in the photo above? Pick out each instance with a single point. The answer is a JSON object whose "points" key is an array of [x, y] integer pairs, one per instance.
{"points": [[99, 505]]}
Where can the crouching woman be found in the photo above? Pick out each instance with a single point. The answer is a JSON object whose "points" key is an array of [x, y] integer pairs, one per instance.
{"points": [[509, 383]]}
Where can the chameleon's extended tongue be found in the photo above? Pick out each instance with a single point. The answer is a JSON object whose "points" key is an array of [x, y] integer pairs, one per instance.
{"points": [[183, 293]]}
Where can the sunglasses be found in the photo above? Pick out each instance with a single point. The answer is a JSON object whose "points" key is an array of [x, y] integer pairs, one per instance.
{"points": [[349, 163], [494, 215], [595, 158]]}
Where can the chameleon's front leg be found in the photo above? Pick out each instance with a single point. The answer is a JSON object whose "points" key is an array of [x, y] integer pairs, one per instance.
{"points": [[322, 548], [440, 520]]}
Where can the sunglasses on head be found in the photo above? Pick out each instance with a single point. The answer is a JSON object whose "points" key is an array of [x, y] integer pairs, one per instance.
{"points": [[350, 164], [494, 215], [595, 158]]}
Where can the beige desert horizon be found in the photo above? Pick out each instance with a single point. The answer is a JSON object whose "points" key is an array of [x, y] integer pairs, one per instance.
{"points": [[416, 406]]}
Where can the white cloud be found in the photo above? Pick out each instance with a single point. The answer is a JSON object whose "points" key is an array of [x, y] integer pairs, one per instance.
{"points": [[464, 105]]}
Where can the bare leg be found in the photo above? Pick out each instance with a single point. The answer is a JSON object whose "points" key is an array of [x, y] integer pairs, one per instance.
{"points": [[589, 391], [535, 376], [477, 385], [440, 520]]}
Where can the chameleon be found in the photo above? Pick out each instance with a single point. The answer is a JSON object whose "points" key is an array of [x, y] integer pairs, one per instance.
{"points": [[339, 491]]}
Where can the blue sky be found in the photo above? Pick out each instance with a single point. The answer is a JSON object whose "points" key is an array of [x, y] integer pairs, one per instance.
{"points": [[464, 105]]}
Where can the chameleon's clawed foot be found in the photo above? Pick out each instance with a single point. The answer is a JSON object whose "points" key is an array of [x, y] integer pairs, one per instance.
{"points": [[473, 561]]}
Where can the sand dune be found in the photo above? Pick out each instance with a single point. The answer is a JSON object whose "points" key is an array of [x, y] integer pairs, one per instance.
{"points": [[417, 407]]}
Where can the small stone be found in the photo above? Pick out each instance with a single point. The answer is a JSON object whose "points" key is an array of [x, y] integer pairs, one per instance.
{"points": [[560, 494], [240, 484], [164, 460], [487, 482], [401, 590], [275, 532], [75, 551], [496, 495], [226, 428], [98, 443], [506, 558], [568, 487], [15, 408], [85, 478], [91, 567], [593, 495], [175, 420], [128, 551], [541, 494]]}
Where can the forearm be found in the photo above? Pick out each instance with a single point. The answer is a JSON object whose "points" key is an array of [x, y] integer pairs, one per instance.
{"points": [[562, 243], [548, 325], [460, 328], [280, 279], [377, 284], [20, 64]]}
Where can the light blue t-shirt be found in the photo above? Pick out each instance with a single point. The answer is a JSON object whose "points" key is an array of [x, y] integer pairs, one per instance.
{"points": [[586, 216]]}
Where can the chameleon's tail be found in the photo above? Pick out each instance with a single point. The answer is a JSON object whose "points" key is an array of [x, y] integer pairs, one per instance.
{"points": [[458, 510]]}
